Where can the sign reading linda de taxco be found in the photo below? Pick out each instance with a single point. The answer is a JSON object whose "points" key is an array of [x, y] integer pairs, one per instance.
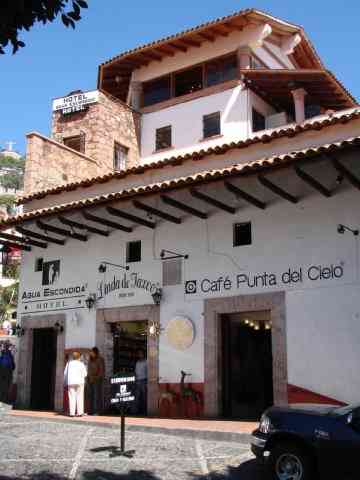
{"points": [[122, 390], [53, 296], [76, 102]]}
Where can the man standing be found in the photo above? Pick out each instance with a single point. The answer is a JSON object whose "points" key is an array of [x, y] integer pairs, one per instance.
{"points": [[141, 383], [7, 367], [74, 377], [96, 372]]}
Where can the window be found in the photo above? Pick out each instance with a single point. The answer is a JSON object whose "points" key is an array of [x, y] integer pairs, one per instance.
{"points": [[163, 138], [242, 234], [172, 271], [255, 63], [258, 121], [120, 156], [312, 110], [188, 81], [221, 70], [133, 251], [77, 142], [39, 264], [157, 90], [211, 125]]}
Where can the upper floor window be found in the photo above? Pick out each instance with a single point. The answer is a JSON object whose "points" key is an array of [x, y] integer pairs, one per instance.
{"points": [[221, 70], [211, 125], [76, 142], [258, 121], [242, 234], [133, 251], [188, 81], [157, 90], [163, 138], [120, 156]]}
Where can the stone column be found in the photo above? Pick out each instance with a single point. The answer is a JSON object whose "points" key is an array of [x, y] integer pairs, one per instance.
{"points": [[136, 94], [299, 97], [244, 58]]}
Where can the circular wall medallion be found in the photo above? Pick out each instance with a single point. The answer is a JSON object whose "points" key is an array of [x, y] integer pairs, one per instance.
{"points": [[180, 333]]}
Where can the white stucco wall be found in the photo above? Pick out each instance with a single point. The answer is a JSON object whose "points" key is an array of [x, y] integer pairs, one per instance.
{"points": [[322, 315]]}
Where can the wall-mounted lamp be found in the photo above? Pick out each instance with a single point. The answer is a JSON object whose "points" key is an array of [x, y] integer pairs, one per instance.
{"points": [[342, 228], [102, 266], [90, 301], [168, 255], [58, 327], [157, 296], [154, 329], [19, 330]]}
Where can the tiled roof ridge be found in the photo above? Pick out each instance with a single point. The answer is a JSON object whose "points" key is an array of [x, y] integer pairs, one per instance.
{"points": [[291, 131], [239, 13], [265, 163]]}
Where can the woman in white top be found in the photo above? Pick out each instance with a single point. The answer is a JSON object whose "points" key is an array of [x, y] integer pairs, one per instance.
{"points": [[74, 377]]}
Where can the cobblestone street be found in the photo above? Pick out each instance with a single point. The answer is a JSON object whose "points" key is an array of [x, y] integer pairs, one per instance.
{"points": [[37, 449]]}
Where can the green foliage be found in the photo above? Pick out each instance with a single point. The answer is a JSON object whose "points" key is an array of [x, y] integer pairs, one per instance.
{"points": [[16, 15], [9, 201], [8, 300], [15, 175]]}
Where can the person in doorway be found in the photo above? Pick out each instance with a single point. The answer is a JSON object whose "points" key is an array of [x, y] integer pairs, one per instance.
{"points": [[141, 383], [7, 367], [96, 373], [74, 377]]}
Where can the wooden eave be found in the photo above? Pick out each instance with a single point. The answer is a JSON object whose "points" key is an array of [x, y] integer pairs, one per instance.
{"points": [[304, 54]]}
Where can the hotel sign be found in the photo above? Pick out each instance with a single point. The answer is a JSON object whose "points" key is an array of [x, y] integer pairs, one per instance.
{"points": [[75, 103]]}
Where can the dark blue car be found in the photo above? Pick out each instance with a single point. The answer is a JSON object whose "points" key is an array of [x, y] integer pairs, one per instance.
{"points": [[303, 442]]}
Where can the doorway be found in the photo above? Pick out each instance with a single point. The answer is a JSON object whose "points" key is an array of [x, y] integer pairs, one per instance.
{"points": [[130, 356], [43, 369], [247, 373]]}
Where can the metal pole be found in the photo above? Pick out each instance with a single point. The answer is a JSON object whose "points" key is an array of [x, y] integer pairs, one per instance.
{"points": [[122, 432]]}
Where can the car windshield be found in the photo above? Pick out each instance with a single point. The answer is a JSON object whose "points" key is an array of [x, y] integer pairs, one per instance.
{"points": [[346, 409]]}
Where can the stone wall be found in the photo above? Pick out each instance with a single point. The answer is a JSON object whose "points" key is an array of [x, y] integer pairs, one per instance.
{"points": [[104, 123], [49, 163]]}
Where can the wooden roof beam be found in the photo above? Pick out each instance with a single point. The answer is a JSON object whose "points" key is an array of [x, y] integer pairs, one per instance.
{"points": [[184, 207], [152, 56], [345, 172], [313, 182], [206, 36], [220, 31], [156, 212], [178, 46], [60, 231], [16, 238], [188, 42], [27, 248], [46, 238], [277, 190], [132, 218], [103, 221], [212, 201], [166, 51], [244, 195], [82, 226]]}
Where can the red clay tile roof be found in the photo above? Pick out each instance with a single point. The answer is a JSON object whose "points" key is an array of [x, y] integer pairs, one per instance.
{"points": [[264, 164], [289, 131]]}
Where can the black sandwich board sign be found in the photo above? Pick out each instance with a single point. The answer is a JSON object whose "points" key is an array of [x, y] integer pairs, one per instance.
{"points": [[122, 395], [122, 390]]}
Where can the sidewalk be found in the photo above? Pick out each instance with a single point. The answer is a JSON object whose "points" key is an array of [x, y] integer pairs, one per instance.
{"points": [[206, 429]]}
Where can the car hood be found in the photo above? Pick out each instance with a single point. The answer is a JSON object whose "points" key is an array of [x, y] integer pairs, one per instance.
{"points": [[311, 408]]}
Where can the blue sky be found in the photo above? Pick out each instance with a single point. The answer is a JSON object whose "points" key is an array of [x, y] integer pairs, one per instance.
{"points": [[57, 60]]}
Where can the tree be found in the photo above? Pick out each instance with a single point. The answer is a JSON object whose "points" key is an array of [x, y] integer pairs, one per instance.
{"points": [[17, 15]]}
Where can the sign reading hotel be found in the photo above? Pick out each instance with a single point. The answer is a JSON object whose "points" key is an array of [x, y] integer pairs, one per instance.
{"points": [[77, 102]]}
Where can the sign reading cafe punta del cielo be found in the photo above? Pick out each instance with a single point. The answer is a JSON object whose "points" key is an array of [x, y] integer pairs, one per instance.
{"points": [[197, 250]]}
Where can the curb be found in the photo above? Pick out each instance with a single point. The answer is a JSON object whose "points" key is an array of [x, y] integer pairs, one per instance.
{"points": [[222, 436]]}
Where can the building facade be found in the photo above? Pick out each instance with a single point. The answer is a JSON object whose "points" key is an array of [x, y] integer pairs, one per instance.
{"points": [[199, 206]]}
